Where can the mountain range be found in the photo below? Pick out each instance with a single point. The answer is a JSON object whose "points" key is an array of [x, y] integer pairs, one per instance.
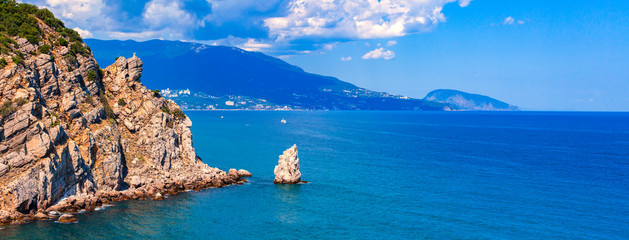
{"points": [[204, 77], [209, 77]]}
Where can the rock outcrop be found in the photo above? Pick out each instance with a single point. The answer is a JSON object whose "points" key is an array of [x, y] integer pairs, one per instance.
{"points": [[67, 218], [244, 173], [287, 169], [74, 136]]}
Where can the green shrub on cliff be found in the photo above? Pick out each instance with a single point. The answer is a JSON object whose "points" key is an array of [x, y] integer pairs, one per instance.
{"points": [[20, 19], [45, 49], [7, 108], [62, 42], [49, 18], [7, 43], [178, 114], [17, 59], [73, 35], [91, 76], [70, 59], [166, 109], [77, 48], [3, 62], [21, 101], [109, 112], [16, 20]]}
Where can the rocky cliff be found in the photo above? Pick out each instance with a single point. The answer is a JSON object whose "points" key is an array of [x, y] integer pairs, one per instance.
{"points": [[74, 136]]}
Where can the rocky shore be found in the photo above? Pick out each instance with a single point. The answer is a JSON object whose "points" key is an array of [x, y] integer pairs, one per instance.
{"points": [[64, 210], [74, 136]]}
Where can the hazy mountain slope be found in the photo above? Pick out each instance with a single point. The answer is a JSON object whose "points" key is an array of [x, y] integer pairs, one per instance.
{"points": [[221, 71], [468, 101]]}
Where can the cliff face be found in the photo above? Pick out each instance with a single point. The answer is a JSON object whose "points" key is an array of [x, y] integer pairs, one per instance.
{"points": [[70, 130]]}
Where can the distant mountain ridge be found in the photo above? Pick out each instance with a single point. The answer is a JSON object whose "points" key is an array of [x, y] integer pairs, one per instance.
{"points": [[468, 101], [220, 77]]}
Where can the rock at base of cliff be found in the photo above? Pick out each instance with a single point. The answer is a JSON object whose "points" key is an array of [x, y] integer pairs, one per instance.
{"points": [[287, 169], [41, 216], [5, 217], [67, 218]]}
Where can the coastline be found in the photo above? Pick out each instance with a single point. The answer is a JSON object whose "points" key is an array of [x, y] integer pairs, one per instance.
{"points": [[155, 190]]}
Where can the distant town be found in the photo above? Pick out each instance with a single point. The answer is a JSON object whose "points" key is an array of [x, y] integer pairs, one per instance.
{"points": [[194, 100]]}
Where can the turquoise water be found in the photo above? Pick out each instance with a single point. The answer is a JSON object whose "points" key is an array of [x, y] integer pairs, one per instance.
{"points": [[391, 175]]}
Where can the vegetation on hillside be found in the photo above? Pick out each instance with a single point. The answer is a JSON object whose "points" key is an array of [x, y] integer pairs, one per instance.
{"points": [[21, 20]]}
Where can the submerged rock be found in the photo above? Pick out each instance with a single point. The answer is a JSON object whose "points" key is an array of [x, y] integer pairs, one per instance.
{"points": [[287, 169]]}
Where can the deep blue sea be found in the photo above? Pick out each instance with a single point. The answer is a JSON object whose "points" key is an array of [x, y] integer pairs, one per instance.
{"points": [[391, 175]]}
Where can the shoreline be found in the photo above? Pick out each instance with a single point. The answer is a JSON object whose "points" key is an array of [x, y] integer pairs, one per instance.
{"points": [[156, 191]]}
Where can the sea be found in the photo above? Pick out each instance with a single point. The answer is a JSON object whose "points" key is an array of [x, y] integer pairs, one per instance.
{"points": [[389, 175]]}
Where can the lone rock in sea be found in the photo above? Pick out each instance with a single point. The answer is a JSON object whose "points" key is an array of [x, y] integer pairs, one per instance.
{"points": [[287, 169]]}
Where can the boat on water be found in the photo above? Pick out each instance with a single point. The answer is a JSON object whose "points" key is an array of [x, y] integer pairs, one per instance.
{"points": [[283, 120]]}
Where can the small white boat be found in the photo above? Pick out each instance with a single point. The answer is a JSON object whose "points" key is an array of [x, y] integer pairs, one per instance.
{"points": [[283, 120], [221, 117]]}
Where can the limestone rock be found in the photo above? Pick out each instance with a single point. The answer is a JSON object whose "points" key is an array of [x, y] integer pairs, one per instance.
{"points": [[41, 216], [136, 182], [67, 218], [67, 144], [5, 217], [3, 169], [233, 172], [244, 173], [287, 169]]}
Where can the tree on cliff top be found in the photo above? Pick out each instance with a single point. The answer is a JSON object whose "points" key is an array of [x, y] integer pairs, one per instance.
{"points": [[20, 19]]}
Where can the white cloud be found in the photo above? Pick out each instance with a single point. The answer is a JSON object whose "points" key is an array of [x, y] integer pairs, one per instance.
{"points": [[254, 46], [329, 46], [508, 21], [134, 35], [166, 14], [87, 14], [322, 23], [345, 59], [84, 33], [464, 3], [162, 19], [391, 43], [379, 53], [81, 11], [357, 19]]}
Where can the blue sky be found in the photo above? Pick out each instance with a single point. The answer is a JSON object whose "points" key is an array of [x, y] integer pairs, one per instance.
{"points": [[539, 55]]}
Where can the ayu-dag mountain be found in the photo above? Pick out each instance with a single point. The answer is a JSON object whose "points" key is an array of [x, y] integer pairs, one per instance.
{"points": [[468, 101], [204, 77]]}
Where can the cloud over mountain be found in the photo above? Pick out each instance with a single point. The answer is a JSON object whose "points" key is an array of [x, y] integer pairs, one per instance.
{"points": [[280, 23]]}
